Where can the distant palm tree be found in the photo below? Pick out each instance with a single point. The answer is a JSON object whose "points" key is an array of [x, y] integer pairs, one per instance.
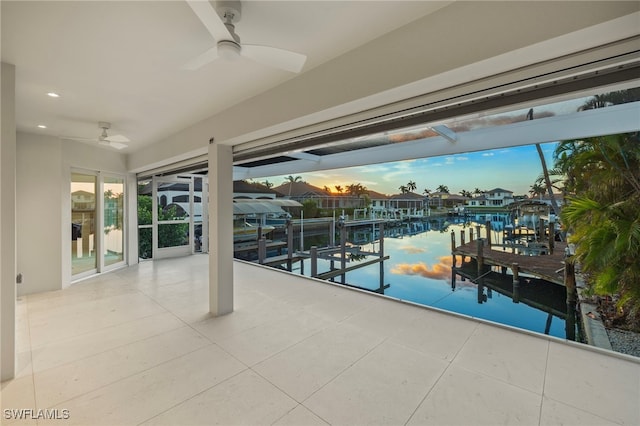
{"points": [[411, 186], [326, 188], [426, 191], [339, 189], [403, 189], [267, 184], [537, 190], [477, 191], [465, 193], [292, 179], [443, 188]]}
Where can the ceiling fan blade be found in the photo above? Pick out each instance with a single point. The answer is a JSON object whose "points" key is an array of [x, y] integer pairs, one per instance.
{"points": [[202, 60], [274, 57], [115, 145], [118, 145], [210, 19], [117, 138], [74, 138]]}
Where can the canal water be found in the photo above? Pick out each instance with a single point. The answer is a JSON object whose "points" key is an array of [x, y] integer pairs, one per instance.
{"points": [[419, 269]]}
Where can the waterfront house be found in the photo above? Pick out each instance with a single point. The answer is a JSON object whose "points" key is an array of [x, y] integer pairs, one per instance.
{"points": [[495, 198]]}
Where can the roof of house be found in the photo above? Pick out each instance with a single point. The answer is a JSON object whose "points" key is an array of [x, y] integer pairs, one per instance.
{"points": [[407, 196], [374, 195], [299, 189], [242, 186], [499, 190]]}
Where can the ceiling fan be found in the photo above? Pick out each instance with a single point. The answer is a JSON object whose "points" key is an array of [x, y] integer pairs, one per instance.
{"points": [[114, 141], [220, 25]]}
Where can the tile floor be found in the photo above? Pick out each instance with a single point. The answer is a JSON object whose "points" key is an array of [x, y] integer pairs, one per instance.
{"points": [[137, 346]]}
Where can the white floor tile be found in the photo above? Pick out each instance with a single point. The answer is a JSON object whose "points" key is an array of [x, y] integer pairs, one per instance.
{"points": [[59, 384], [300, 416], [384, 387], [245, 399], [464, 397], [557, 413], [436, 334], [513, 357], [304, 368], [263, 341], [18, 394], [605, 386], [88, 344], [386, 318], [95, 315], [145, 395]]}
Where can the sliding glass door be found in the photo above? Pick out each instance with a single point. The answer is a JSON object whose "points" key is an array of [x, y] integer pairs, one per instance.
{"points": [[113, 222], [83, 224], [97, 223]]}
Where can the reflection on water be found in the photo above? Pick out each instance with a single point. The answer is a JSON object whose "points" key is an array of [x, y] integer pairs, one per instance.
{"points": [[419, 270]]}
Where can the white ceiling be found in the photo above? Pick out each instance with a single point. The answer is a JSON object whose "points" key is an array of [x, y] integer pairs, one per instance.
{"points": [[120, 61]]}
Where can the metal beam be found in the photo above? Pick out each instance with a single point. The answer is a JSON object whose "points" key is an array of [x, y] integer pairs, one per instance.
{"points": [[597, 122]]}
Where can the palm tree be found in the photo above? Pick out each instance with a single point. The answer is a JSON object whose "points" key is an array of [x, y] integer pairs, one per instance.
{"points": [[545, 172], [443, 188], [465, 193], [267, 184], [403, 189], [477, 191], [339, 189], [426, 191], [292, 179], [537, 190], [604, 213], [411, 186], [326, 188]]}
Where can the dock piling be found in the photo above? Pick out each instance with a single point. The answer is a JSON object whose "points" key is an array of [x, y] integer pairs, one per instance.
{"points": [[313, 251], [262, 250], [516, 282], [488, 228], [479, 255]]}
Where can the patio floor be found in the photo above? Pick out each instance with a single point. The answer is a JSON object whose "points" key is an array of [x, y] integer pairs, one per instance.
{"points": [[137, 346]]}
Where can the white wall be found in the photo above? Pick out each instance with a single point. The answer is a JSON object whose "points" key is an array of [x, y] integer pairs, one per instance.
{"points": [[39, 173], [7, 223], [44, 205]]}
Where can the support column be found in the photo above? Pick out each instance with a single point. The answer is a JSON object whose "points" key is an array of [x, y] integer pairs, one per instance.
{"points": [[8, 225], [220, 229]]}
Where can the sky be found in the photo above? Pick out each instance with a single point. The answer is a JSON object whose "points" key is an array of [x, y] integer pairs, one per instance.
{"points": [[515, 169]]}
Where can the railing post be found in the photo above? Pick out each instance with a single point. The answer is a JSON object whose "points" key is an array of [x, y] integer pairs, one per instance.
{"points": [[262, 250]]}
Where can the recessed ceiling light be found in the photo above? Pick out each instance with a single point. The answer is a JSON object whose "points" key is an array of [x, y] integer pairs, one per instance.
{"points": [[42, 126], [53, 94]]}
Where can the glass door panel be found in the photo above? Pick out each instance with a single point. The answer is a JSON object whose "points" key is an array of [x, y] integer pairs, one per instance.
{"points": [[113, 220], [83, 223], [172, 216]]}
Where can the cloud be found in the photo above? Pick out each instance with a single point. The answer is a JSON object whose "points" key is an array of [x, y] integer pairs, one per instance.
{"points": [[412, 249], [439, 271], [487, 154], [462, 158]]}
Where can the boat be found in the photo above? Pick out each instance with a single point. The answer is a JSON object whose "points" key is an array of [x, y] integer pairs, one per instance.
{"points": [[244, 231]]}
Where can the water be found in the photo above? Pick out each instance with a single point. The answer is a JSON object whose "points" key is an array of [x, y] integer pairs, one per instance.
{"points": [[419, 270]]}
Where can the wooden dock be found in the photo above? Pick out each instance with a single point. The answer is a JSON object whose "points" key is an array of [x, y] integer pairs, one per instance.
{"points": [[549, 267]]}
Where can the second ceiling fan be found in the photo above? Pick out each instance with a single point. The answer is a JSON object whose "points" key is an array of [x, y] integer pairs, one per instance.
{"points": [[220, 25]]}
